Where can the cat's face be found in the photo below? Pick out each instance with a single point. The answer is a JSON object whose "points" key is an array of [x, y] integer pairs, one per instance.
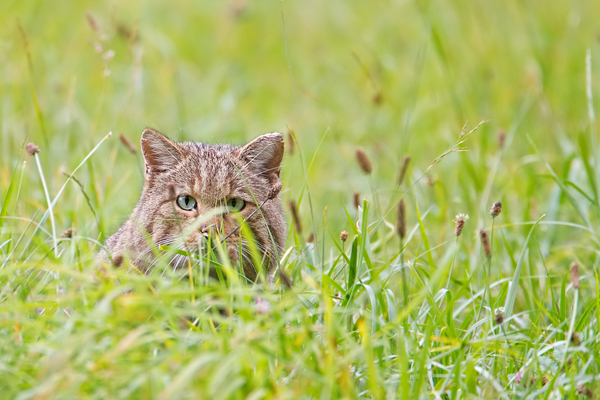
{"points": [[222, 185]]}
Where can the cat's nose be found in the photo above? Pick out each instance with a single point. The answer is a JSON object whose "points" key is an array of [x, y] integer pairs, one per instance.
{"points": [[206, 230]]}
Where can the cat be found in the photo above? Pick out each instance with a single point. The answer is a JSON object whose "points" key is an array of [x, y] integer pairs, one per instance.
{"points": [[187, 181]]}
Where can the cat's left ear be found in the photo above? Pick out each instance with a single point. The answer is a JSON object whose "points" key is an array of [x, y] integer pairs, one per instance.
{"points": [[264, 154]]}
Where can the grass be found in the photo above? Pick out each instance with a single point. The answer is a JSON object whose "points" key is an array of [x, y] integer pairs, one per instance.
{"points": [[429, 316]]}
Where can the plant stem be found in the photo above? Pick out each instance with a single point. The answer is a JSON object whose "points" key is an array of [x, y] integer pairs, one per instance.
{"points": [[39, 165]]}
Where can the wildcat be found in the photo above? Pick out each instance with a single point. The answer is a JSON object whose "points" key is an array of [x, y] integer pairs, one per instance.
{"points": [[186, 181]]}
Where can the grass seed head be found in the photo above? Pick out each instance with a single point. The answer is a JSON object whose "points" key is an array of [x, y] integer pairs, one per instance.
{"points": [[501, 138], [401, 220], [496, 209], [344, 236], [499, 318], [290, 136], [92, 21], [575, 275], [356, 200], [378, 98], [403, 168], [311, 238], [485, 243], [363, 160], [68, 233], [459, 223], [575, 339], [32, 148], [295, 216]]}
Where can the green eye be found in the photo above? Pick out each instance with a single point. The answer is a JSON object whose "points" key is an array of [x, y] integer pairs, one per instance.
{"points": [[186, 202], [235, 205]]}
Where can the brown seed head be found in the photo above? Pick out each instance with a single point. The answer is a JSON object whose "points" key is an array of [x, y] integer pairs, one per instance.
{"points": [[496, 209], [501, 138], [128, 145], [275, 189], [343, 236], [92, 22], [401, 220], [295, 216], [403, 168], [459, 223], [356, 200], [575, 275], [499, 318], [290, 136], [363, 160], [311, 238], [485, 243], [31, 148], [575, 339], [378, 98], [67, 233]]}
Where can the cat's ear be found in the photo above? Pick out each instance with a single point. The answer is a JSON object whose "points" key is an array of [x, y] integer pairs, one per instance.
{"points": [[161, 154], [264, 155]]}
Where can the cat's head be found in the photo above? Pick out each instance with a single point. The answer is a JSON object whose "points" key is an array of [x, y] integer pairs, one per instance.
{"points": [[188, 181]]}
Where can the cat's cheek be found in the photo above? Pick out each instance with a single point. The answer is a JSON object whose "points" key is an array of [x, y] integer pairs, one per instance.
{"points": [[232, 253], [193, 239]]}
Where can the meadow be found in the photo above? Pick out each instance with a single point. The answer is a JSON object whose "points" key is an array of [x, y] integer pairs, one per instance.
{"points": [[457, 105]]}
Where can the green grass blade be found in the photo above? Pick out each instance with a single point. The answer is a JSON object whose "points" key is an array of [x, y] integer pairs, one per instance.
{"points": [[514, 285]]}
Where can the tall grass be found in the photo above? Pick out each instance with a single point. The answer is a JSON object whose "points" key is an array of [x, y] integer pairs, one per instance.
{"points": [[422, 314]]}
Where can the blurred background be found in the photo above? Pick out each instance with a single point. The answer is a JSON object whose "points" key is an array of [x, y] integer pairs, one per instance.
{"points": [[396, 78]]}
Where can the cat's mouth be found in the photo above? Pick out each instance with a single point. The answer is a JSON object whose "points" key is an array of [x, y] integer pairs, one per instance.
{"points": [[223, 249]]}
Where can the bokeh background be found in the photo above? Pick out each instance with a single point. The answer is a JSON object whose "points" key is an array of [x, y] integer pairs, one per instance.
{"points": [[397, 78]]}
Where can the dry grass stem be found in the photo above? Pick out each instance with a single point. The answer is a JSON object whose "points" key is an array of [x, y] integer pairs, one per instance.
{"points": [[128, 145], [464, 135]]}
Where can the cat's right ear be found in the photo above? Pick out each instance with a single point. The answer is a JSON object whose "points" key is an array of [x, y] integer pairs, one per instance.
{"points": [[161, 154]]}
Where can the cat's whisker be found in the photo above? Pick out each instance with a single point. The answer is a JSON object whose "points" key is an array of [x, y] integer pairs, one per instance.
{"points": [[148, 249], [162, 256]]}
